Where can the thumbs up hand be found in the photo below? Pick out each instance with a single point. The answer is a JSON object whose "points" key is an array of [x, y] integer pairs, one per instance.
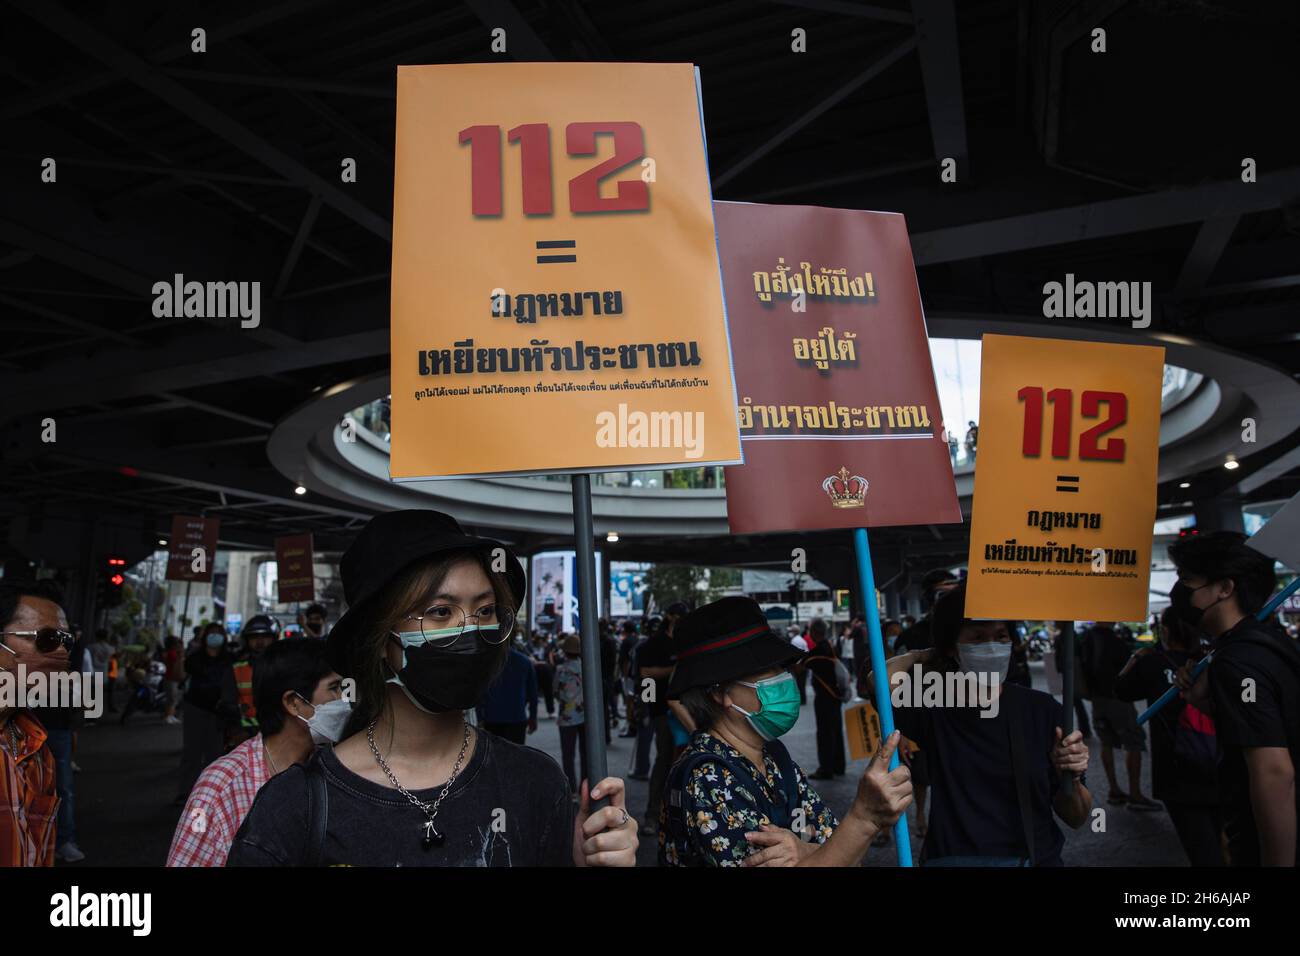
{"points": [[883, 794]]}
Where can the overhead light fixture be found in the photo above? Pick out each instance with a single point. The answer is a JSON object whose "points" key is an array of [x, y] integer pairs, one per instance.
{"points": [[162, 542], [1231, 464], [1184, 484], [612, 537], [300, 490]]}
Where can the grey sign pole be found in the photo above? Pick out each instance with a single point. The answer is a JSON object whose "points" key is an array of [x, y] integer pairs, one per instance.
{"points": [[593, 691]]}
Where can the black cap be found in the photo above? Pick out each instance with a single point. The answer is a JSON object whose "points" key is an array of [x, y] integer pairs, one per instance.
{"points": [[388, 545], [258, 624], [724, 641]]}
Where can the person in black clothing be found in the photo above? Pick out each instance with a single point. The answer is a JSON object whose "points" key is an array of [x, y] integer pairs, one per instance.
{"points": [[996, 775], [1018, 673], [210, 706], [917, 637], [413, 784], [1105, 653], [1251, 690], [608, 665], [1182, 742], [626, 679], [540, 653], [1064, 634], [857, 640], [827, 704], [656, 660]]}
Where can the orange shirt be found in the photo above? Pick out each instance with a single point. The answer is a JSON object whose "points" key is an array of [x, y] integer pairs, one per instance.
{"points": [[28, 799]]}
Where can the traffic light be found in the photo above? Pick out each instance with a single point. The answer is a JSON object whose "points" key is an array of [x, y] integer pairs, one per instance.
{"points": [[793, 591], [114, 579]]}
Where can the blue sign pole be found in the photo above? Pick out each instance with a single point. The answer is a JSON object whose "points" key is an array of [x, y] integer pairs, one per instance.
{"points": [[1265, 613], [867, 581]]}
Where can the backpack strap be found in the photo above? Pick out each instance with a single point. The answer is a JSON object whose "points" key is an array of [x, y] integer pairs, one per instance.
{"points": [[317, 811], [833, 691], [1016, 730], [789, 780]]}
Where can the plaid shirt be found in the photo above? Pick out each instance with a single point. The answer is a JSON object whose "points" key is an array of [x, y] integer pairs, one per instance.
{"points": [[217, 806], [28, 800]]}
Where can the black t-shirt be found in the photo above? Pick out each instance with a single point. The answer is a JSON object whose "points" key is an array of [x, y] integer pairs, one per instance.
{"points": [[626, 648], [974, 809], [1171, 778], [861, 653], [657, 651], [212, 684], [1272, 719], [510, 806], [1104, 655]]}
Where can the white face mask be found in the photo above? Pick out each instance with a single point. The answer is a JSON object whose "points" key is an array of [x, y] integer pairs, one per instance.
{"points": [[985, 659], [326, 724]]}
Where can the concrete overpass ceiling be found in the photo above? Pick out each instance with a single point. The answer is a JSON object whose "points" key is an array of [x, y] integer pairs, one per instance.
{"points": [[1117, 166]]}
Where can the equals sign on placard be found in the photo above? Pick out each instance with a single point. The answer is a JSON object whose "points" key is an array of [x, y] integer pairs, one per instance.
{"points": [[1067, 483], [556, 244]]}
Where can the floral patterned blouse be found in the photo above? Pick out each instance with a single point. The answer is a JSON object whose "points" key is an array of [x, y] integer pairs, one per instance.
{"points": [[719, 809]]}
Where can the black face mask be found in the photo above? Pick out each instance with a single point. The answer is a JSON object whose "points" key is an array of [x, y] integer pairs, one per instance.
{"points": [[1180, 599], [442, 679]]}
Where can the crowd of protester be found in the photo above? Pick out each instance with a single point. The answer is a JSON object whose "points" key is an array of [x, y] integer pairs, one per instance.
{"points": [[353, 744]]}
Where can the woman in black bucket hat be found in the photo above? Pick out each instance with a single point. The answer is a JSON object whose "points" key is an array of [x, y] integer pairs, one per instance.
{"points": [[431, 611], [735, 797]]}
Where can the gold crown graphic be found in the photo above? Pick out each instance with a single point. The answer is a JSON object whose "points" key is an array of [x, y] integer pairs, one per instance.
{"points": [[845, 490]]}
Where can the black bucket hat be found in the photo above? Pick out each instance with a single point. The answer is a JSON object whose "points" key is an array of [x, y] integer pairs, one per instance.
{"points": [[724, 641], [388, 545]]}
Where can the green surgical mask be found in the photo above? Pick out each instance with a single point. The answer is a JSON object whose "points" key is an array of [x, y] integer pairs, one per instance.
{"points": [[778, 700]]}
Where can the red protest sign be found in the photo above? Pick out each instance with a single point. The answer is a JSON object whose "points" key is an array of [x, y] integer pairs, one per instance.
{"points": [[839, 415], [192, 549], [293, 559]]}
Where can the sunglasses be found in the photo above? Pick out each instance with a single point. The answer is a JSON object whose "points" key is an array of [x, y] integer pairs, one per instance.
{"points": [[47, 639]]}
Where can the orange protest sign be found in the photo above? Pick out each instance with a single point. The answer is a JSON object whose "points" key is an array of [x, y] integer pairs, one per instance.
{"points": [[862, 730], [1065, 480], [556, 294]]}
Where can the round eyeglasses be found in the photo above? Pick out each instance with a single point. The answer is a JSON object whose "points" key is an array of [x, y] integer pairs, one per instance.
{"points": [[443, 624]]}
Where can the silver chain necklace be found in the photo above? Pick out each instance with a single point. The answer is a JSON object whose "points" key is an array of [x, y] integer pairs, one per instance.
{"points": [[430, 835]]}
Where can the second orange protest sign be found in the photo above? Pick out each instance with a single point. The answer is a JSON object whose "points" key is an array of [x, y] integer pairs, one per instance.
{"points": [[1065, 480]]}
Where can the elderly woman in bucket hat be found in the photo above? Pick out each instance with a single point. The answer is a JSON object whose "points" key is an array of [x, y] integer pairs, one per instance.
{"points": [[431, 610], [735, 797]]}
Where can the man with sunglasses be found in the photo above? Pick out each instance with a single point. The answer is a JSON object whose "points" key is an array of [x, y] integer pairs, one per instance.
{"points": [[34, 636]]}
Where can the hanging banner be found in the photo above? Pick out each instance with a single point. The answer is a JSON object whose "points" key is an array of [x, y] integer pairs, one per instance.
{"points": [[192, 548], [1065, 480], [294, 573], [838, 410], [556, 300]]}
